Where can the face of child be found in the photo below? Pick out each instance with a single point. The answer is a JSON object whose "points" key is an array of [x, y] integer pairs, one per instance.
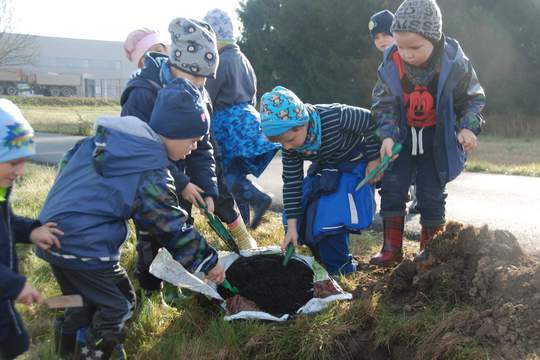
{"points": [[178, 149], [156, 47], [382, 41], [10, 171], [414, 49], [293, 138]]}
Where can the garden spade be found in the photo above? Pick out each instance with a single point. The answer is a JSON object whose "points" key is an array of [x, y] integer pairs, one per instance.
{"points": [[219, 229], [379, 170], [63, 302], [288, 254]]}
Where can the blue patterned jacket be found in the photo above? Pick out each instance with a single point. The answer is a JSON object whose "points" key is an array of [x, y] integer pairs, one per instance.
{"points": [[119, 174]]}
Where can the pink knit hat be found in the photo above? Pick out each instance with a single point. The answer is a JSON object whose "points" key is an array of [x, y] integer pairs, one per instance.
{"points": [[138, 42]]}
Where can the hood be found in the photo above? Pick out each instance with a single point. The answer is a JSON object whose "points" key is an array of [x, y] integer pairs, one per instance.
{"points": [[127, 145], [148, 77]]}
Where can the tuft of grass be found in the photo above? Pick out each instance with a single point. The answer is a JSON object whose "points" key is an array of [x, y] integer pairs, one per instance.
{"points": [[75, 120], [509, 156], [532, 169]]}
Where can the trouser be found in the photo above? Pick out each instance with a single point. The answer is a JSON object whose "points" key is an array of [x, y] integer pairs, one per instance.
{"points": [[225, 207], [430, 193], [109, 300], [333, 251], [15, 343]]}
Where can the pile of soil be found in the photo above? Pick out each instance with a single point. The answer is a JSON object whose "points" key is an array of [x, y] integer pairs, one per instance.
{"points": [[272, 287], [484, 270]]}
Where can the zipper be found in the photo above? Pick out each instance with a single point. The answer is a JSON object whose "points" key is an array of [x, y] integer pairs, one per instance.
{"points": [[11, 265]]}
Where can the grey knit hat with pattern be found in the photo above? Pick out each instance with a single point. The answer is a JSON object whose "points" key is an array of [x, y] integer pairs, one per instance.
{"points": [[193, 47], [422, 17]]}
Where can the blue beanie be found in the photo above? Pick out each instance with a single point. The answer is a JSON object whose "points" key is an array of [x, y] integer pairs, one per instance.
{"points": [[16, 134], [380, 23], [179, 112], [281, 110]]}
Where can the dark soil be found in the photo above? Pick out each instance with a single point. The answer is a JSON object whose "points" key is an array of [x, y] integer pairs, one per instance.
{"points": [[274, 288]]}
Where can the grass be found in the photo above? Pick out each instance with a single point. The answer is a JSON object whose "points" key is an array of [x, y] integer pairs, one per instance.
{"points": [[197, 330], [75, 120], [510, 156]]}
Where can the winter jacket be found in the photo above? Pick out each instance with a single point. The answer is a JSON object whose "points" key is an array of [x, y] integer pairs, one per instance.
{"points": [[13, 229], [460, 100], [138, 99], [119, 174], [235, 81], [332, 205]]}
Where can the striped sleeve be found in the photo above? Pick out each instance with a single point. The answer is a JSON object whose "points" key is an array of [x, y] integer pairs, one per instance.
{"points": [[359, 121], [293, 179]]}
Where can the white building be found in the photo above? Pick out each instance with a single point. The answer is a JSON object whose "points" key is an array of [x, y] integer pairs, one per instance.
{"points": [[94, 68]]}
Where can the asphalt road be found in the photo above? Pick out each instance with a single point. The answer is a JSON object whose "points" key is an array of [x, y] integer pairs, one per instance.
{"points": [[502, 202]]}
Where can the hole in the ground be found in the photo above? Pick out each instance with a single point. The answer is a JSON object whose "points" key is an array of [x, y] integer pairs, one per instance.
{"points": [[274, 288]]}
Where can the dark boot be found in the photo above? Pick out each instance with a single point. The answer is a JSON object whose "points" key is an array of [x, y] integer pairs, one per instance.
{"points": [[64, 343], [261, 202], [90, 348], [393, 242], [426, 236]]}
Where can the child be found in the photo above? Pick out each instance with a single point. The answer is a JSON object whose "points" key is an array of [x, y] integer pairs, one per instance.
{"points": [[429, 99], [235, 123], [141, 41], [17, 146], [118, 174], [341, 141], [379, 27], [195, 176]]}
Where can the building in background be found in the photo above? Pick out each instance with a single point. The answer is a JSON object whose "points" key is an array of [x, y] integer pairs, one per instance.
{"points": [[70, 67]]}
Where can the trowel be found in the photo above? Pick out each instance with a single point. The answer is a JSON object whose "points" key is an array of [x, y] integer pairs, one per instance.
{"points": [[379, 170], [219, 229]]}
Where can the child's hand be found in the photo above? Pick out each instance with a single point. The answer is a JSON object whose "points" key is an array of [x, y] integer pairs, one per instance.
{"points": [[386, 148], [467, 138], [46, 236], [209, 204], [372, 165], [29, 295], [290, 237], [217, 274], [192, 193]]}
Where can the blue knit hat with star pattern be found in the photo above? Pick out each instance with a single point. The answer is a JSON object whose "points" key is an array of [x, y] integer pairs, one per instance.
{"points": [[16, 134]]}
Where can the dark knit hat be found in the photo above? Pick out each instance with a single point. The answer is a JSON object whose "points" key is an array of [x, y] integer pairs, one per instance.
{"points": [[422, 17], [193, 47], [179, 112], [380, 23]]}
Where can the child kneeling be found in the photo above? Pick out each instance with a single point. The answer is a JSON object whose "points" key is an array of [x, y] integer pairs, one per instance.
{"points": [[120, 174], [321, 209]]}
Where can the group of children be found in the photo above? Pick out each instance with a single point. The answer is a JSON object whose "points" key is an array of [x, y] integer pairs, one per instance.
{"points": [[162, 156]]}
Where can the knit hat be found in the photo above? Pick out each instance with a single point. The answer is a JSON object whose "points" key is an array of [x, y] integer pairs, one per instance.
{"points": [[281, 110], [380, 23], [179, 112], [16, 134], [193, 47], [138, 42], [222, 24], [419, 16]]}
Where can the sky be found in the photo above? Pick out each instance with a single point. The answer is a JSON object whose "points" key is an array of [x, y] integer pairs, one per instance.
{"points": [[106, 19]]}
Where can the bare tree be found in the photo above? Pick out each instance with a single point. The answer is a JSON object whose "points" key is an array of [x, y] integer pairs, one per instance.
{"points": [[15, 49]]}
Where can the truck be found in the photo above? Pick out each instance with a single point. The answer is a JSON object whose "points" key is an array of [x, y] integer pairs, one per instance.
{"points": [[41, 83]]}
